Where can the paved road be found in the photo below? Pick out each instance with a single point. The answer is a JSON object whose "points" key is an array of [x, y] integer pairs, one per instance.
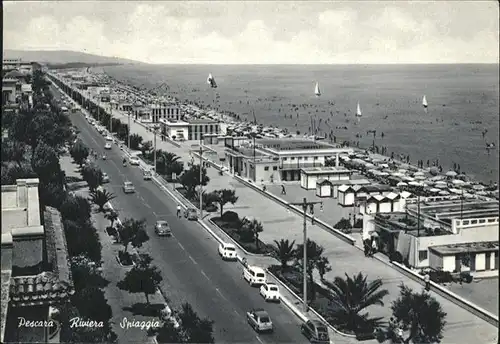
{"points": [[191, 267]]}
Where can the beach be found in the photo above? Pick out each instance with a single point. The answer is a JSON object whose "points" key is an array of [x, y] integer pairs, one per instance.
{"points": [[463, 103]]}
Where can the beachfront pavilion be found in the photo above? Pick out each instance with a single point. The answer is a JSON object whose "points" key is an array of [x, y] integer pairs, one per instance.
{"points": [[295, 154], [440, 224]]}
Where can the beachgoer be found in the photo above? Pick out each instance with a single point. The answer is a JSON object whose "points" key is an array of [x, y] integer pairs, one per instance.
{"points": [[427, 280], [374, 246], [283, 191], [178, 210]]}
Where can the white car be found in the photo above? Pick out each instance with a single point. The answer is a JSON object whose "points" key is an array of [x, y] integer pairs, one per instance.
{"points": [[133, 160], [270, 292], [227, 251], [107, 145], [128, 187], [109, 138], [254, 275]]}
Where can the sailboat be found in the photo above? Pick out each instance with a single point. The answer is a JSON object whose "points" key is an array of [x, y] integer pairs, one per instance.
{"points": [[211, 81], [424, 103], [317, 92], [358, 111]]}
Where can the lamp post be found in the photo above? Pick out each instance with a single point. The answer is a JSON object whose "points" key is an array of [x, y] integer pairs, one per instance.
{"points": [[128, 131], [305, 204], [154, 149]]}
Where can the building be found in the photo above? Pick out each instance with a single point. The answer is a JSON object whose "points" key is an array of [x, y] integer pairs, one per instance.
{"points": [[35, 272], [17, 64], [188, 130], [9, 91], [285, 157], [310, 175], [452, 235]]}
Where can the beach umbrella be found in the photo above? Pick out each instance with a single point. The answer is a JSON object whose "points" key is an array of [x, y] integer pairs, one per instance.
{"points": [[374, 234], [415, 184], [397, 174], [478, 187], [402, 170], [444, 193], [458, 182], [435, 190], [440, 186], [401, 184], [408, 179], [419, 173], [419, 177], [451, 174]]}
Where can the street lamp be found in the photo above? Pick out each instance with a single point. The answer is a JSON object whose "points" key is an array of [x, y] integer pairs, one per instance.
{"points": [[128, 131]]}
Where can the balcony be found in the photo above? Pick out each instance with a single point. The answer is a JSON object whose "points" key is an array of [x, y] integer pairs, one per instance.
{"points": [[298, 165]]}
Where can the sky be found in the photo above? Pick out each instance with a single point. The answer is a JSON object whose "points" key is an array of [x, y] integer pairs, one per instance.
{"points": [[260, 32]]}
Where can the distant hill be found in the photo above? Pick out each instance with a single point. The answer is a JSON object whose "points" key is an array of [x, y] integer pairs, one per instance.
{"points": [[64, 57]]}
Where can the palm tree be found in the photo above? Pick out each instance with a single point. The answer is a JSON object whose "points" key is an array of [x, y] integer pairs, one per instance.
{"points": [[255, 227], [349, 296], [112, 216], [284, 251], [100, 198]]}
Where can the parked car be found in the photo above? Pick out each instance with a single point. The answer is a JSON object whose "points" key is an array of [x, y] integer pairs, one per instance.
{"points": [[105, 177], [227, 251], [162, 228], [191, 214], [133, 160], [107, 145], [270, 292], [259, 320], [147, 174], [254, 275], [109, 138], [128, 187], [315, 331]]}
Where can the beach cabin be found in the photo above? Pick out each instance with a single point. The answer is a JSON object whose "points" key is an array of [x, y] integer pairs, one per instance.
{"points": [[393, 198], [309, 176], [355, 183], [372, 190], [346, 195], [324, 188]]}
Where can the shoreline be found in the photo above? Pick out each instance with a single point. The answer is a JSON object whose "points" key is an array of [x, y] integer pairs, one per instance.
{"points": [[195, 110]]}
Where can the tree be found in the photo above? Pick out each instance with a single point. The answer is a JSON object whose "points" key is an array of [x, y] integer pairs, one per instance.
{"points": [[86, 273], [192, 328], [45, 163], [190, 179], [225, 196], [284, 251], [146, 148], [82, 239], [419, 315], [13, 151], [314, 256], [122, 132], [112, 216], [92, 174], [209, 198], [100, 198], [79, 152], [133, 232], [143, 278], [135, 141], [91, 304], [75, 208], [254, 227], [350, 295]]}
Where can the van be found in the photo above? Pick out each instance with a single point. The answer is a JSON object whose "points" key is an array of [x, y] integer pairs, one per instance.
{"points": [[254, 275]]}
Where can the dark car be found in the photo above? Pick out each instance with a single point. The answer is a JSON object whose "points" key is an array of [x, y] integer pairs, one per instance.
{"points": [[316, 332], [162, 228]]}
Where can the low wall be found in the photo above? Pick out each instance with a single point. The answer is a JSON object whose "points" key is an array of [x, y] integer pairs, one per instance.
{"points": [[449, 295]]}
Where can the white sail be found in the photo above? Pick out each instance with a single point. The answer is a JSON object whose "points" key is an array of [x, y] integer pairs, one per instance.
{"points": [[317, 92], [209, 79], [358, 111], [424, 102]]}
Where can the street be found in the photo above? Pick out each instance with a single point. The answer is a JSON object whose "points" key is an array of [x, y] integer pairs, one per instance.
{"points": [[192, 270]]}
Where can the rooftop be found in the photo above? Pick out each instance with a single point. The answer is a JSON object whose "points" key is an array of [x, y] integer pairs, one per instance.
{"points": [[202, 121], [293, 144], [474, 247], [325, 170], [399, 221], [446, 210]]}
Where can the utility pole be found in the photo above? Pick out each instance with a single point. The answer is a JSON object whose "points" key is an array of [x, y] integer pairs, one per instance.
{"points": [[418, 213], [462, 205], [111, 120], [305, 204], [200, 191], [154, 149], [128, 131]]}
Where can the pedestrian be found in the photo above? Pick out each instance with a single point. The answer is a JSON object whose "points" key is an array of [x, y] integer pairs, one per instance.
{"points": [[179, 210], [366, 245], [283, 191], [264, 188], [427, 280], [374, 246]]}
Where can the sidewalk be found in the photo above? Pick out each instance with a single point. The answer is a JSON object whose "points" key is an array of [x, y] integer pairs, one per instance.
{"points": [[279, 223]]}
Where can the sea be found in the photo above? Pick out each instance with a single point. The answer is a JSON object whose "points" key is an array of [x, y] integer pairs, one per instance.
{"points": [[461, 118]]}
